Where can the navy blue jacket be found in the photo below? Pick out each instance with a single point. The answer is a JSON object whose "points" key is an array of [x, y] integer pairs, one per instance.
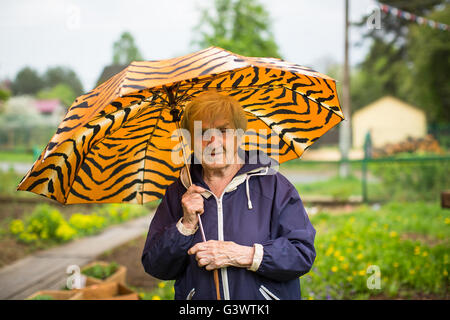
{"points": [[259, 206]]}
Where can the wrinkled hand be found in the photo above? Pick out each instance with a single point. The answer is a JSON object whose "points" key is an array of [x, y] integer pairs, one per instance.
{"points": [[215, 254], [192, 203]]}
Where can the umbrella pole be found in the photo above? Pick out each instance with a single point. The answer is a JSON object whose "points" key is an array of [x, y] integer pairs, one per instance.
{"points": [[216, 273]]}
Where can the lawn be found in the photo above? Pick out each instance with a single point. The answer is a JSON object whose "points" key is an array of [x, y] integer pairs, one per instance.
{"points": [[16, 156], [398, 250]]}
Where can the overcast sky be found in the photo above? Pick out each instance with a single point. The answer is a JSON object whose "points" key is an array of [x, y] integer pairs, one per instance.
{"points": [[80, 33]]}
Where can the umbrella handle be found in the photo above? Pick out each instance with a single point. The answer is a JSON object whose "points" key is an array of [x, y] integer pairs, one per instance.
{"points": [[216, 273]]}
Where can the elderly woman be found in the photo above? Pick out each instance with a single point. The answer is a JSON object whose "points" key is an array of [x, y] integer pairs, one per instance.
{"points": [[260, 237]]}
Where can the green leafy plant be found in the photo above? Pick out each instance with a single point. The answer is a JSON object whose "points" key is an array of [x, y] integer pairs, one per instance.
{"points": [[99, 271]]}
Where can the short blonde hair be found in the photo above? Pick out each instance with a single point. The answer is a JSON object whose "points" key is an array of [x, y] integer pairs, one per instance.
{"points": [[210, 106]]}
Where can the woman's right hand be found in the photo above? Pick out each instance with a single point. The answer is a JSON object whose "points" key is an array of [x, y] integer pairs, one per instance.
{"points": [[192, 203]]}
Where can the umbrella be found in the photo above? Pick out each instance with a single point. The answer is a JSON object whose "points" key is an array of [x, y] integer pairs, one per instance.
{"points": [[116, 142]]}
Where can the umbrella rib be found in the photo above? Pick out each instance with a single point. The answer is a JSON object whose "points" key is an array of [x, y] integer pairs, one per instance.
{"points": [[273, 87], [145, 154], [84, 155]]}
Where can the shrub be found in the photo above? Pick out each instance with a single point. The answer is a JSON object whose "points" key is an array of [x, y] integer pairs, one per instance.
{"points": [[44, 223], [86, 224], [418, 180]]}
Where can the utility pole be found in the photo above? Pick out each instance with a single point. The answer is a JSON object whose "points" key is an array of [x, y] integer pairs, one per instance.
{"points": [[344, 128]]}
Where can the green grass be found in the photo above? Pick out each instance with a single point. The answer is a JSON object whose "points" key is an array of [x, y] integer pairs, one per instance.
{"points": [[339, 188], [408, 242], [336, 187], [9, 182], [12, 156]]}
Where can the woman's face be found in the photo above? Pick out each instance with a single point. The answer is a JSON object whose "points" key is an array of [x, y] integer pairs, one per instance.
{"points": [[217, 143]]}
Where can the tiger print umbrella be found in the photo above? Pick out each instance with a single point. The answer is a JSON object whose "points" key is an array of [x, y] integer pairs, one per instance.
{"points": [[116, 142]]}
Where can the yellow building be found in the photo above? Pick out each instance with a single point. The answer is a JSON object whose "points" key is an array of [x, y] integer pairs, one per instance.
{"points": [[390, 120]]}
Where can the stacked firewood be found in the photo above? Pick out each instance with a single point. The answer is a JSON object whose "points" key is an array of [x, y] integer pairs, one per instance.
{"points": [[427, 144]]}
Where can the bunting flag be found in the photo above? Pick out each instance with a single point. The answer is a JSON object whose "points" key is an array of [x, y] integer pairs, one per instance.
{"points": [[411, 17]]}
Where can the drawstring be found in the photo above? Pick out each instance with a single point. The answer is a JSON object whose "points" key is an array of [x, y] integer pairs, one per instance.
{"points": [[247, 189], [248, 192]]}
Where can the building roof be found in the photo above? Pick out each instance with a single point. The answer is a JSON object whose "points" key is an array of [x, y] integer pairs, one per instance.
{"points": [[388, 100], [47, 105]]}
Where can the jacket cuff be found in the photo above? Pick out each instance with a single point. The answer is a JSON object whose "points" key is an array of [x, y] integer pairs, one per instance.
{"points": [[185, 231], [257, 257]]}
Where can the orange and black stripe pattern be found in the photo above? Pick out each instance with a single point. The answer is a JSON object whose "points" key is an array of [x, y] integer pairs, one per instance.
{"points": [[116, 142]]}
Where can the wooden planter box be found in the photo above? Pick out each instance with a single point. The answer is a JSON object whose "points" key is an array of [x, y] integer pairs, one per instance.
{"points": [[58, 294], [119, 276], [107, 291]]}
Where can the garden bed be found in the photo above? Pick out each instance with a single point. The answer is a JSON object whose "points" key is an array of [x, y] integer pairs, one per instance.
{"points": [[129, 255], [26, 227]]}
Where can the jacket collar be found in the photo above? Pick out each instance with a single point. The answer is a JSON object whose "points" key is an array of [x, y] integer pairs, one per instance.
{"points": [[255, 164]]}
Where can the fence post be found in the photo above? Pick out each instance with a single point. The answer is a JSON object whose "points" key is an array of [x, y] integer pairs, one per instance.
{"points": [[367, 156]]}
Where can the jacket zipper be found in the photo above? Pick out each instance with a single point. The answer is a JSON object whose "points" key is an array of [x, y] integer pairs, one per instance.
{"points": [[223, 271]]}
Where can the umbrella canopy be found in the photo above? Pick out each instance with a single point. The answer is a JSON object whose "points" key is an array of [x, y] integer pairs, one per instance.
{"points": [[116, 142]]}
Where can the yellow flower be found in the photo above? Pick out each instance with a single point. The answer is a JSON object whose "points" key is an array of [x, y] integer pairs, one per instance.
{"points": [[156, 298], [161, 284], [362, 272], [349, 278], [310, 298], [341, 258], [359, 256], [337, 253], [424, 254], [345, 266], [65, 232], [334, 268], [392, 234], [141, 295], [396, 264], [329, 251], [16, 226], [445, 273], [417, 250], [447, 220], [412, 271]]}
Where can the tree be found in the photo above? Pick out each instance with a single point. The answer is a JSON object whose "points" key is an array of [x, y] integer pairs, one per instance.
{"points": [[125, 50], [407, 60], [62, 75], [240, 26], [61, 91], [429, 52], [27, 81], [394, 30]]}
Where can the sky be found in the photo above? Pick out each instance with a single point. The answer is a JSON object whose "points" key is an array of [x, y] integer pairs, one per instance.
{"points": [[80, 33]]}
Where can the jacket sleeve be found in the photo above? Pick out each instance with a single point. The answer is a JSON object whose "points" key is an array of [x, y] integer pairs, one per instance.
{"points": [[290, 252], [165, 251]]}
